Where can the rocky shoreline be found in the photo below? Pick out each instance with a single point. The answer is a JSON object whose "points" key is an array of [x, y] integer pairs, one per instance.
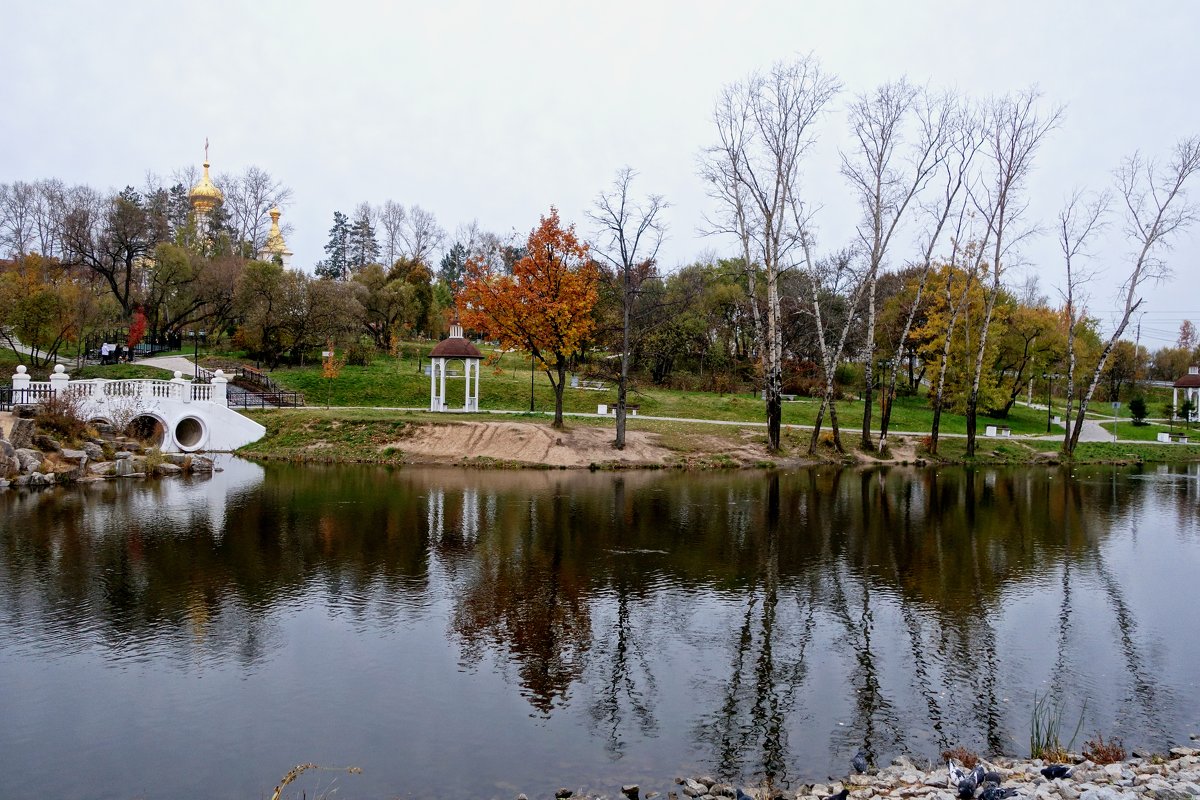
{"points": [[30, 459], [1173, 776]]}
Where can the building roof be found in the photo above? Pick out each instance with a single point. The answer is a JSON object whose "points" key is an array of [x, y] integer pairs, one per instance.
{"points": [[1189, 381], [455, 347]]}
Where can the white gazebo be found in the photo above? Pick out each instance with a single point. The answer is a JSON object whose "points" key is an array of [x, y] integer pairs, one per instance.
{"points": [[454, 348], [1190, 384]]}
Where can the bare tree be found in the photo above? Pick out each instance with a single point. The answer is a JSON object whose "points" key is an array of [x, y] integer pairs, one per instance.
{"points": [[17, 210], [719, 167], [630, 234], [1014, 129], [421, 234], [248, 199], [780, 108], [960, 142], [392, 217], [834, 276], [1078, 222], [1156, 209], [885, 189]]}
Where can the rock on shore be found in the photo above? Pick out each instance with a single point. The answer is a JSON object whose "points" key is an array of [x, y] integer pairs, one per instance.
{"points": [[1175, 776], [30, 459]]}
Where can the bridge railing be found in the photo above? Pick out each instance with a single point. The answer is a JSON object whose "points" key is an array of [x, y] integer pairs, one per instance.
{"points": [[25, 390]]}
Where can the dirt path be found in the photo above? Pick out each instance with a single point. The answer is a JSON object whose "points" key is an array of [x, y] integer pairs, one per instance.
{"points": [[529, 443]]}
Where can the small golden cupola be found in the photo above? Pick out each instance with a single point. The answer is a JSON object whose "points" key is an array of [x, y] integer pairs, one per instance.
{"points": [[275, 246], [205, 196]]}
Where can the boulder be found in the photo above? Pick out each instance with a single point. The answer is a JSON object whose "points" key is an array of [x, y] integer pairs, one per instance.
{"points": [[46, 444], [95, 452], [77, 460], [30, 459], [122, 455], [22, 432], [122, 467], [103, 469], [10, 465], [202, 464], [167, 468]]}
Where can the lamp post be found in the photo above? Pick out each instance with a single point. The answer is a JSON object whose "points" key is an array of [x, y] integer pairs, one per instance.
{"points": [[1049, 377], [195, 353], [531, 381]]}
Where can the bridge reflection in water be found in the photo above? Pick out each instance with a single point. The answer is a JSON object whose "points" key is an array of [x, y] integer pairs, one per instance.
{"points": [[568, 628]]}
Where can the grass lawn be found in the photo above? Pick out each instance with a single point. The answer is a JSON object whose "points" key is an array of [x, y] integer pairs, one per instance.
{"points": [[389, 382], [1147, 433]]}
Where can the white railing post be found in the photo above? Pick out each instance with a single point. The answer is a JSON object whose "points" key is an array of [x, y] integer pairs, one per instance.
{"points": [[180, 387], [219, 382], [59, 380], [20, 381]]}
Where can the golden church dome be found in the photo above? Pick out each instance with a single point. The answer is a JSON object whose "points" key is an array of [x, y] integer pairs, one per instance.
{"points": [[205, 195]]}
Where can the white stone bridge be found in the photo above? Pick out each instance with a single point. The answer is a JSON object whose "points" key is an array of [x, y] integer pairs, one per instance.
{"points": [[183, 416]]}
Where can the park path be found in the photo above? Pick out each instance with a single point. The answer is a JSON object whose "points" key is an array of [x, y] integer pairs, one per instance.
{"points": [[170, 363]]}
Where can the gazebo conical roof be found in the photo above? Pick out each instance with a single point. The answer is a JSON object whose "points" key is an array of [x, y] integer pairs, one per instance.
{"points": [[455, 346]]}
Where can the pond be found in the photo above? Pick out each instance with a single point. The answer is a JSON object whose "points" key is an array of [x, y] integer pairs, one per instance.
{"points": [[460, 633]]}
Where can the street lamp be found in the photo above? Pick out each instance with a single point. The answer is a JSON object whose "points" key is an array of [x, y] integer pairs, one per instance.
{"points": [[1049, 377], [531, 381], [195, 353]]}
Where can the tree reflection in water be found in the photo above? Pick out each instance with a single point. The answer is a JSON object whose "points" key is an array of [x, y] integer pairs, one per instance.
{"points": [[801, 615]]}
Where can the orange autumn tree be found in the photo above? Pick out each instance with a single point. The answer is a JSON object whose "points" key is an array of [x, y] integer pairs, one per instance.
{"points": [[545, 304]]}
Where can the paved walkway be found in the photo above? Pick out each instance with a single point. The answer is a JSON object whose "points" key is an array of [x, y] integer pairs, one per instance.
{"points": [[170, 363]]}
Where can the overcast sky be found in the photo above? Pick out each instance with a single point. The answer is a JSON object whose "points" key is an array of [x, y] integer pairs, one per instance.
{"points": [[494, 111]]}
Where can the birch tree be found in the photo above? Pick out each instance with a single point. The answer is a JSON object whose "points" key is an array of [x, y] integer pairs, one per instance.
{"points": [[886, 188], [1078, 223], [835, 275], [779, 109], [959, 142], [631, 232], [1015, 129], [1157, 209]]}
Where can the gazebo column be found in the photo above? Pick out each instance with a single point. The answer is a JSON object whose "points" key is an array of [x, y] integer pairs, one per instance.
{"points": [[442, 390], [433, 384], [467, 384], [1175, 403], [478, 364]]}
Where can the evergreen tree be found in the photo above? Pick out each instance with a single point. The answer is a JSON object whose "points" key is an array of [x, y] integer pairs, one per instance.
{"points": [[450, 270], [337, 249], [363, 246]]}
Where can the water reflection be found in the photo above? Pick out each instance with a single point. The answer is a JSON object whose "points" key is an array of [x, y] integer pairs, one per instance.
{"points": [[751, 625]]}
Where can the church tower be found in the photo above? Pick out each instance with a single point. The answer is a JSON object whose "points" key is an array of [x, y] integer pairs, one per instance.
{"points": [[275, 247], [205, 196]]}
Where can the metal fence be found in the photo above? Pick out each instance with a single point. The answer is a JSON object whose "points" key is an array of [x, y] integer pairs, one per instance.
{"points": [[10, 397], [250, 400]]}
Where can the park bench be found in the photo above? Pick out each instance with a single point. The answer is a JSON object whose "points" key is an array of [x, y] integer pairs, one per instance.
{"points": [[1168, 437], [631, 409], [997, 430], [591, 386]]}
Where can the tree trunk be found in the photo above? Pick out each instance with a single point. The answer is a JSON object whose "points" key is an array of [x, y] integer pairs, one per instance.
{"points": [[1095, 381], [869, 367], [774, 374], [559, 385], [973, 397], [623, 383]]}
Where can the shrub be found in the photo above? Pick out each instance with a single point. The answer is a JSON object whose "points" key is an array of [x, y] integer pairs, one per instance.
{"points": [[359, 354], [61, 415], [1103, 752], [962, 755]]}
